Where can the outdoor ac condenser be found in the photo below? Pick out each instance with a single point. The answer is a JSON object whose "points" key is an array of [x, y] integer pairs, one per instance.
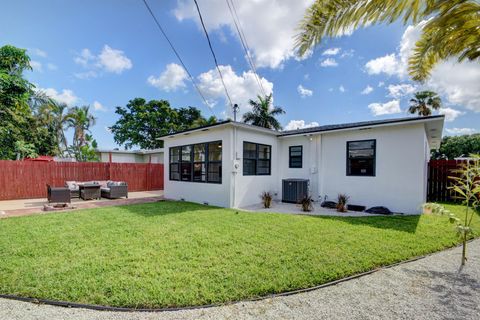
{"points": [[294, 190]]}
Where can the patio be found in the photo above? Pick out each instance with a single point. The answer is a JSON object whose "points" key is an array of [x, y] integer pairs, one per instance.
{"points": [[291, 208], [21, 207]]}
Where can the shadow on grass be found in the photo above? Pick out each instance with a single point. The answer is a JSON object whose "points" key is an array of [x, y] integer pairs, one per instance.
{"points": [[399, 223], [165, 207]]}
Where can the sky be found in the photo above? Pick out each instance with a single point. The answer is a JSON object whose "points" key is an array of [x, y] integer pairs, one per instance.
{"points": [[105, 53]]}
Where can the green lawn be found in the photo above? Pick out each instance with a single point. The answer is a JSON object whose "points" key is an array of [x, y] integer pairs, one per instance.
{"points": [[183, 254]]}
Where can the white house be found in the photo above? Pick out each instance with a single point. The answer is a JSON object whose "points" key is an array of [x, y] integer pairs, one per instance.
{"points": [[376, 163], [131, 156]]}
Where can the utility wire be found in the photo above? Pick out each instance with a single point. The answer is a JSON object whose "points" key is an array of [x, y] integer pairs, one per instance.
{"points": [[178, 56], [213, 53], [243, 40]]}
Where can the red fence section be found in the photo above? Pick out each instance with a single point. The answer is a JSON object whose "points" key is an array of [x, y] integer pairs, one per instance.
{"points": [[439, 182], [28, 179]]}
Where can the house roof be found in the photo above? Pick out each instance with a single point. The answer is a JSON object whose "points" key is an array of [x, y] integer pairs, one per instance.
{"points": [[353, 125], [434, 127]]}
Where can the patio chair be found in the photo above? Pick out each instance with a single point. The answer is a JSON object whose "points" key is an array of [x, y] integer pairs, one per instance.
{"points": [[115, 190], [58, 194], [74, 189]]}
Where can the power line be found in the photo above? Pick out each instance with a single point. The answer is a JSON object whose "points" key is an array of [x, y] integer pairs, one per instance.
{"points": [[213, 53], [178, 56], [244, 43]]}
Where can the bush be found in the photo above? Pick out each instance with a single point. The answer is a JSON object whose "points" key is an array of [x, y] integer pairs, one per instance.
{"points": [[266, 199], [342, 202], [307, 204]]}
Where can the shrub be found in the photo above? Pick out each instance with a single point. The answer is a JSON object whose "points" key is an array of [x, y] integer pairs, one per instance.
{"points": [[307, 204], [266, 199], [342, 202]]}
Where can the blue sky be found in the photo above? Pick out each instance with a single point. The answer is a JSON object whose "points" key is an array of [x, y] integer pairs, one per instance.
{"points": [[104, 53]]}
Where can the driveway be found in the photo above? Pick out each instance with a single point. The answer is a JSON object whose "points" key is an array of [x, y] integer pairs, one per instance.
{"points": [[430, 288]]}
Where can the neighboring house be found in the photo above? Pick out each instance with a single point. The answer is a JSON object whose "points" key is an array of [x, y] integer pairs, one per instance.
{"points": [[131, 156], [376, 163]]}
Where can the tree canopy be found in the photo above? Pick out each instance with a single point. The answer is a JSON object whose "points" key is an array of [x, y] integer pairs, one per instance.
{"points": [[141, 123], [423, 102], [457, 146], [452, 28], [263, 113]]}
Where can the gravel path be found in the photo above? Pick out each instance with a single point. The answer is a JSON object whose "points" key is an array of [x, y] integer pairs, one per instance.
{"points": [[430, 288]]}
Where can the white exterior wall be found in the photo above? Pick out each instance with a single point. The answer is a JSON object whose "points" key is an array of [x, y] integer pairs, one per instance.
{"points": [[247, 189], [211, 193], [399, 182], [131, 157]]}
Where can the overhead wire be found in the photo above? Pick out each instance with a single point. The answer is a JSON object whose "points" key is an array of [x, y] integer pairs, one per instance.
{"points": [[178, 57], [213, 54]]}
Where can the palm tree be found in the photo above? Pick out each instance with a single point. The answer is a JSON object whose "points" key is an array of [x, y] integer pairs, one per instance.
{"points": [[424, 102], [263, 114], [452, 28], [80, 119], [200, 122], [54, 115]]}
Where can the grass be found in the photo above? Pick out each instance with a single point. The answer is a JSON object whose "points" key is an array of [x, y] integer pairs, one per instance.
{"points": [[182, 254]]}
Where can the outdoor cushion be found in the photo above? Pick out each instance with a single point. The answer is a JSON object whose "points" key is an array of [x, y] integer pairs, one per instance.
{"points": [[116, 183], [105, 189], [72, 185], [102, 183]]}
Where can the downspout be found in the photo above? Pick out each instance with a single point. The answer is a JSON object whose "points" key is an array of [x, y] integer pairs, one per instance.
{"points": [[234, 162]]}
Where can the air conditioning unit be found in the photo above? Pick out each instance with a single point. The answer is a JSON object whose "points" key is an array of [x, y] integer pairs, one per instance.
{"points": [[294, 190]]}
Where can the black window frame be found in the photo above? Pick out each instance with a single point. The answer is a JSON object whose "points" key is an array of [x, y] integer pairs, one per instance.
{"points": [[256, 160], [374, 158], [206, 163], [290, 164]]}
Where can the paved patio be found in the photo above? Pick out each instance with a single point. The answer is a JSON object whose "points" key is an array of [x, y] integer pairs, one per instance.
{"points": [[291, 208], [21, 207]]}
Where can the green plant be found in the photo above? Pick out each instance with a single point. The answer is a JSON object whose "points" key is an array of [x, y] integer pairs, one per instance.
{"points": [[467, 188], [263, 113], [424, 102], [266, 199], [307, 203], [342, 201]]}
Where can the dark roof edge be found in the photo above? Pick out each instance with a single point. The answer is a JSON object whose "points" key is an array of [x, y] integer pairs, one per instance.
{"points": [[195, 129], [335, 127]]}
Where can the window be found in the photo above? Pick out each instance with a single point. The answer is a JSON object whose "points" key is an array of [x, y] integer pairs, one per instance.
{"points": [[256, 159], [361, 158], [198, 163], [295, 156]]}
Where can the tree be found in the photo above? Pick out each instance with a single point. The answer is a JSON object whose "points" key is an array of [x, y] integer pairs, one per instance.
{"points": [[424, 102], [141, 123], [25, 150], [263, 113], [86, 152], [458, 146], [80, 119], [452, 28]]}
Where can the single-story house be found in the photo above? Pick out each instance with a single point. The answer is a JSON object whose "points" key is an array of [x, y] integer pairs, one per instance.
{"points": [[376, 163], [131, 156]]}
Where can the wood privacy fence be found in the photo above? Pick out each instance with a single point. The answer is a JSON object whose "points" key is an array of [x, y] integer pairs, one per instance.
{"points": [[439, 182], [28, 179]]}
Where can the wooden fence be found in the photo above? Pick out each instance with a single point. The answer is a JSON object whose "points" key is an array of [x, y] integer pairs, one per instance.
{"points": [[28, 179], [439, 182]]}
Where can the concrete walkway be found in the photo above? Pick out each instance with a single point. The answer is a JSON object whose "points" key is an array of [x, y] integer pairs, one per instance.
{"points": [[430, 288], [22, 207]]}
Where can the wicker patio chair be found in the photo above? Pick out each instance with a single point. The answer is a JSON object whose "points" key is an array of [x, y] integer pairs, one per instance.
{"points": [[115, 190], [58, 194]]}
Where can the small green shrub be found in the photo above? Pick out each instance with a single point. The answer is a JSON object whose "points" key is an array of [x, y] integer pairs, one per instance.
{"points": [[342, 202], [266, 199]]}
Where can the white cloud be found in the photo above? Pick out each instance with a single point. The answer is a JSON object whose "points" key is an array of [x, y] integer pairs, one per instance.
{"points": [[36, 66], [398, 91], [98, 106], [329, 62], [241, 87], [381, 84], [450, 114], [341, 88], [108, 60], [460, 131], [300, 124], [387, 64], [456, 82], [331, 52], [347, 53], [172, 78], [390, 107], [51, 66], [368, 89], [304, 92], [66, 96], [38, 52], [269, 26], [113, 60], [306, 76]]}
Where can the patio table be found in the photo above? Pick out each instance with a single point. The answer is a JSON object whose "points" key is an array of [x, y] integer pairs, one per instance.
{"points": [[89, 191]]}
